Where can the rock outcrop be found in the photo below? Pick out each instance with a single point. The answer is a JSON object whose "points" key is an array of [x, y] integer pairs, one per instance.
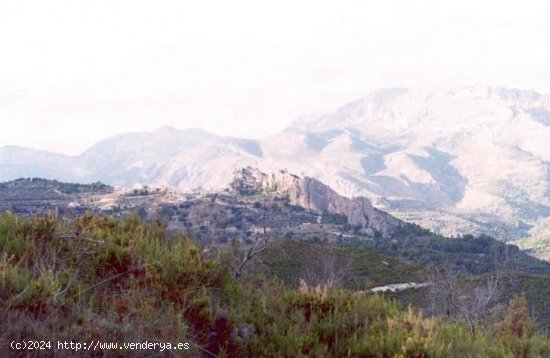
{"points": [[311, 194]]}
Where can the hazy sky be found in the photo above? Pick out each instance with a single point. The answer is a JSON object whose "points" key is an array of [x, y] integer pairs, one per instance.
{"points": [[73, 72]]}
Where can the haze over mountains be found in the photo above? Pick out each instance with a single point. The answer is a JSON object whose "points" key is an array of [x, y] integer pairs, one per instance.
{"points": [[459, 160]]}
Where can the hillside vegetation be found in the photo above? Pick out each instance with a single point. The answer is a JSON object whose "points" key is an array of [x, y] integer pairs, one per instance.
{"points": [[25, 188], [318, 263], [123, 280]]}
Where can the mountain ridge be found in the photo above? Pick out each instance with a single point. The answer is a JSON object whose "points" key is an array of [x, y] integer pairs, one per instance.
{"points": [[457, 160], [311, 194]]}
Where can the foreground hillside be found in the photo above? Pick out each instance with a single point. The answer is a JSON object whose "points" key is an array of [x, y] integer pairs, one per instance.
{"points": [[97, 278]]}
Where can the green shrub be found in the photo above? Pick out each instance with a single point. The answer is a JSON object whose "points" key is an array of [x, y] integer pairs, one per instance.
{"points": [[123, 280]]}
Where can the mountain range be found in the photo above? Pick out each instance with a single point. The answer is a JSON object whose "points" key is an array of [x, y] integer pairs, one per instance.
{"points": [[459, 160]]}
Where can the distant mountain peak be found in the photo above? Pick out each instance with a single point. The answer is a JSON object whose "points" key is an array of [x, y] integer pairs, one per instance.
{"points": [[167, 129]]}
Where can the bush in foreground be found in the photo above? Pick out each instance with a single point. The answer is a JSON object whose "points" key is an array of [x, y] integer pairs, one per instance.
{"points": [[125, 281]]}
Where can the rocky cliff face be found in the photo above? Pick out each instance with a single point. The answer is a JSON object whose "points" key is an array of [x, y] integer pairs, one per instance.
{"points": [[311, 194]]}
